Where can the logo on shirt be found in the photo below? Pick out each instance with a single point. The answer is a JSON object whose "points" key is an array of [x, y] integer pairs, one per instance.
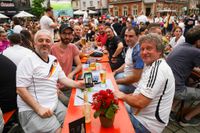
{"points": [[53, 68]]}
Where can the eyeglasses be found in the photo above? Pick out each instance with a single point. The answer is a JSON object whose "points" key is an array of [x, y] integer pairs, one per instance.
{"points": [[67, 33]]}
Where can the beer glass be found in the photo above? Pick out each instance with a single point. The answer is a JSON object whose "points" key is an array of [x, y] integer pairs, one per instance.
{"points": [[103, 78], [83, 41]]}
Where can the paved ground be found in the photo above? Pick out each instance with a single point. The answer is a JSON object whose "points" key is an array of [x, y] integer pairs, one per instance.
{"points": [[174, 127]]}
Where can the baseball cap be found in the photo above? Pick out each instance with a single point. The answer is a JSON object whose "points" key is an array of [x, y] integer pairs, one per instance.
{"points": [[64, 27]]}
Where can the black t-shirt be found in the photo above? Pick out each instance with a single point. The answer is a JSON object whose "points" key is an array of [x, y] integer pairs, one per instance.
{"points": [[76, 39], [112, 45], [117, 27], [7, 84], [189, 23], [90, 35]]}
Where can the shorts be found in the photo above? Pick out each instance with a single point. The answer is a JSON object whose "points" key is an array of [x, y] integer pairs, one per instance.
{"points": [[1, 122], [31, 122], [188, 93]]}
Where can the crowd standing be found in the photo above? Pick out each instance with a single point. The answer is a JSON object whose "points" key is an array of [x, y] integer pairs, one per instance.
{"points": [[151, 59]]}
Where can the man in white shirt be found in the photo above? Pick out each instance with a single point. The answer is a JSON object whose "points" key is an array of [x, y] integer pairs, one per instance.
{"points": [[16, 52], [17, 27], [37, 76], [48, 22], [142, 18], [152, 100], [130, 72]]}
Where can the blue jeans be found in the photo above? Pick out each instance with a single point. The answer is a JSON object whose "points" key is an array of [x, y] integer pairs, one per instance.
{"points": [[125, 88], [139, 128]]}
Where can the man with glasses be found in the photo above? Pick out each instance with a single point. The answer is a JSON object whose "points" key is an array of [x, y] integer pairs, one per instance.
{"points": [[66, 52]]}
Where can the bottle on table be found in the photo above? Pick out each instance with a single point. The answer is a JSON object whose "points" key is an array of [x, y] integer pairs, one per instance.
{"points": [[86, 108]]}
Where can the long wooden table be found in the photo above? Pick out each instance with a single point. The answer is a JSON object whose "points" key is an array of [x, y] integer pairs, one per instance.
{"points": [[122, 123]]}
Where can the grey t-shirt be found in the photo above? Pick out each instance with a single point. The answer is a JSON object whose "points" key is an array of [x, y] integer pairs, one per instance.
{"points": [[182, 60], [1, 121]]}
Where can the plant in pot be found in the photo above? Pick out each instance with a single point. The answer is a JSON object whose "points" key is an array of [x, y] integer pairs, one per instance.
{"points": [[105, 106]]}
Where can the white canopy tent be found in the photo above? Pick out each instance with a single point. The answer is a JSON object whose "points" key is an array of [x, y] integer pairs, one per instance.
{"points": [[23, 14], [92, 12], [79, 12], [167, 10], [3, 16]]}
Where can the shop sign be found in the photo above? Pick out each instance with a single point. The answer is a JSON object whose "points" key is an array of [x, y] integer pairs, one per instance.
{"points": [[7, 4]]}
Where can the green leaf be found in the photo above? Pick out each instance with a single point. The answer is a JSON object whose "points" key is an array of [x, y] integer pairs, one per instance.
{"points": [[110, 113], [116, 107], [97, 114]]}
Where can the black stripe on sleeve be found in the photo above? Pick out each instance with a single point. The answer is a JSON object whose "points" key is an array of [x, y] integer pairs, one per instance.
{"points": [[157, 108], [153, 74]]}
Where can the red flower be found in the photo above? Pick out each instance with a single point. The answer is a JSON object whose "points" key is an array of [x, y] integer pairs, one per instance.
{"points": [[104, 103]]}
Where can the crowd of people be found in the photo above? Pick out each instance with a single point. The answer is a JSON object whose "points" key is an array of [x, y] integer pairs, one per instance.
{"points": [[151, 60]]}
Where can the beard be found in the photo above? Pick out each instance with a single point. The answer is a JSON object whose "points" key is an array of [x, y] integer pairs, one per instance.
{"points": [[65, 41], [43, 51]]}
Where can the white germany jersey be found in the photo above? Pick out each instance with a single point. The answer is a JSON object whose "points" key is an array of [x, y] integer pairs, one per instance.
{"points": [[40, 79], [157, 83]]}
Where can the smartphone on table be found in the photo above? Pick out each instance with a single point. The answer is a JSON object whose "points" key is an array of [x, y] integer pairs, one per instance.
{"points": [[88, 79]]}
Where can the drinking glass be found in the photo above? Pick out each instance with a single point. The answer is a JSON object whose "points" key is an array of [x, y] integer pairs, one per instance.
{"points": [[103, 78], [83, 41]]}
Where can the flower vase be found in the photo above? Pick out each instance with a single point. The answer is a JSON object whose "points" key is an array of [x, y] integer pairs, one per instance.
{"points": [[105, 122]]}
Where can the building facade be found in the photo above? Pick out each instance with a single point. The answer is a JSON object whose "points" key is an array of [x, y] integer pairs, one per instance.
{"points": [[194, 7], [12, 7], [100, 6], [149, 7]]}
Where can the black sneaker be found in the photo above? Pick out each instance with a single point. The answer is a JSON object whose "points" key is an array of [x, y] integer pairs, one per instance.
{"points": [[172, 116], [193, 122]]}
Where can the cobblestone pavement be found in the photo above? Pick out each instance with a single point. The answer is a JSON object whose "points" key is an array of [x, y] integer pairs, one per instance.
{"points": [[174, 127]]}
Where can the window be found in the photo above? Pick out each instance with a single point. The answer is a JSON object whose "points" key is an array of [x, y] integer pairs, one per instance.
{"points": [[135, 10], [125, 11], [91, 3], [116, 12], [76, 3], [84, 4]]}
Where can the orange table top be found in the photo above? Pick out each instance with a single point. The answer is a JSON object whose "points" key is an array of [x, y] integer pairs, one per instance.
{"points": [[122, 123], [104, 58]]}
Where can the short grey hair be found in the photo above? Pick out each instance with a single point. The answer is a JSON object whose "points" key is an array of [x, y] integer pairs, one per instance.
{"points": [[41, 32], [155, 39]]}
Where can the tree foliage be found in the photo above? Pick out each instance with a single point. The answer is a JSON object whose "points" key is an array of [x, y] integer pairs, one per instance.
{"points": [[37, 7]]}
